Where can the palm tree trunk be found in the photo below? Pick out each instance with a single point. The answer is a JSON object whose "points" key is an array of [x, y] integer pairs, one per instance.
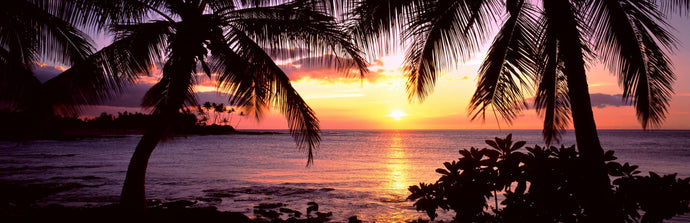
{"points": [[133, 194], [594, 184]]}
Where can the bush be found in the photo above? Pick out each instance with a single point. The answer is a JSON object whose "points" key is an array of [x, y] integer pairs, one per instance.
{"points": [[541, 186]]}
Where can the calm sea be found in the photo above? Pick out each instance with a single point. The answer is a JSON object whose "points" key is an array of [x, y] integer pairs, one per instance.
{"points": [[363, 173]]}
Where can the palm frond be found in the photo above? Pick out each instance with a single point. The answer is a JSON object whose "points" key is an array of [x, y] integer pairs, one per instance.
{"points": [[105, 73], [19, 34], [376, 24], [296, 25], [18, 85], [502, 76], [257, 3], [563, 55], [339, 9], [170, 94], [441, 35], [168, 97], [552, 101], [654, 89], [335, 8], [98, 15], [233, 70], [629, 37], [219, 6], [56, 39], [61, 41], [270, 86], [144, 42], [185, 47], [325, 4], [679, 6]]}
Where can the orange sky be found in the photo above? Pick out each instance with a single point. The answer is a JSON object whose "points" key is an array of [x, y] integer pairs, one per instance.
{"points": [[380, 102], [343, 103], [349, 104]]}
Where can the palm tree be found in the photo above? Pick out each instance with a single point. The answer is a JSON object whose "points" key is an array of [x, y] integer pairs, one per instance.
{"points": [[33, 31], [219, 110], [546, 48], [46, 31], [225, 40]]}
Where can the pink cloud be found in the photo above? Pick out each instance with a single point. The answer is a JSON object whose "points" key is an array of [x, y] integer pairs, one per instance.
{"points": [[45, 72], [322, 68], [333, 76]]}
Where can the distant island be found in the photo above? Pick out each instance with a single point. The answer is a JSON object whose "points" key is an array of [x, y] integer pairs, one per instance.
{"points": [[23, 126]]}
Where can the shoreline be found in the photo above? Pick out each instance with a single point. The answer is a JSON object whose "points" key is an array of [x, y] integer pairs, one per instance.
{"points": [[20, 203], [112, 213]]}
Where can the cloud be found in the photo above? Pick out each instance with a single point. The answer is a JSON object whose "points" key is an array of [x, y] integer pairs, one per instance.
{"points": [[335, 96], [44, 72], [598, 100], [282, 53], [216, 97], [313, 63], [322, 68], [463, 78], [605, 100], [315, 68], [333, 76], [132, 96]]}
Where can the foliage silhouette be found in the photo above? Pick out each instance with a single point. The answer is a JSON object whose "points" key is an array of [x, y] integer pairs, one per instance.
{"points": [[543, 49], [71, 127], [228, 41], [219, 112], [546, 183], [34, 32]]}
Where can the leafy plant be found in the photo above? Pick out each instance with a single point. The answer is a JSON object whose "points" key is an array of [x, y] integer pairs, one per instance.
{"points": [[543, 185]]}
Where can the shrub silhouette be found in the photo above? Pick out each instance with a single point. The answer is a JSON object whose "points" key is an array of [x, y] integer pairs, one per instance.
{"points": [[541, 185]]}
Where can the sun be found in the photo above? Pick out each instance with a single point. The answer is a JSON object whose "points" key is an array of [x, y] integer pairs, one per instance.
{"points": [[397, 114]]}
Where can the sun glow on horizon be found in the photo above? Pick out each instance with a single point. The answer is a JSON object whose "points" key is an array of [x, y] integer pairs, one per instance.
{"points": [[392, 62], [397, 114]]}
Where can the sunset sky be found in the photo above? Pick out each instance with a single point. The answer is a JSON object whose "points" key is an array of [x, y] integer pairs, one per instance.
{"points": [[379, 101]]}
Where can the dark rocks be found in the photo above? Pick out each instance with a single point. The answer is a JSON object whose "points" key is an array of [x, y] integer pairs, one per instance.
{"points": [[313, 207], [113, 214], [353, 219], [290, 212]]}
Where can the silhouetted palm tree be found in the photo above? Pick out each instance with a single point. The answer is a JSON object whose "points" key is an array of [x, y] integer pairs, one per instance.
{"points": [[231, 39], [219, 110], [33, 31], [544, 47]]}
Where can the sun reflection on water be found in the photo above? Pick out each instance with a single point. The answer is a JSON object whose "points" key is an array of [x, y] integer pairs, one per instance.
{"points": [[398, 180], [397, 165]]}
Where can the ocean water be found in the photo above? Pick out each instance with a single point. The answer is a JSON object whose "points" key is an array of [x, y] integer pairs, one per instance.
{"points": [[363, 173]]}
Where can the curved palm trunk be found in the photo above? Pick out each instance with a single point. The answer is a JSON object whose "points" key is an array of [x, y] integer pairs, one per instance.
{"points": [[594, 185], [133, 195], [167, 97], [133, 192]]}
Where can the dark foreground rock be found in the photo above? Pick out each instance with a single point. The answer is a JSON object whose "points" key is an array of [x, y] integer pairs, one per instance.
{"points": [[18, 203], [107, 214], [113, 214]]}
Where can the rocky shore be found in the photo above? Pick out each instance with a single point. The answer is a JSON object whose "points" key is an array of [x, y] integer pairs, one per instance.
{"points": [[17, 204]]}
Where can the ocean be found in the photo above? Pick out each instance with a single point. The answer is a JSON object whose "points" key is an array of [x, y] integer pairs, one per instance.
{"points": [[355, 172]]}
